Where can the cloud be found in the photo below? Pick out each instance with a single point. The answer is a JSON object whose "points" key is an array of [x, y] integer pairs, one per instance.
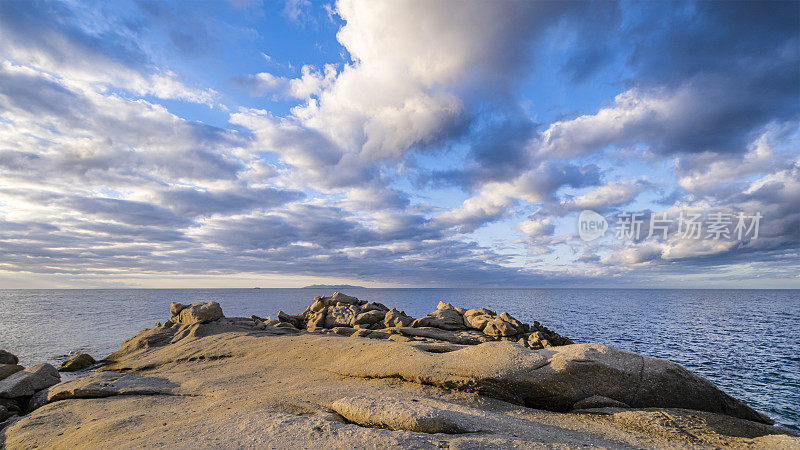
{"points": [[607, 196], [68, 48], [392, 155]]}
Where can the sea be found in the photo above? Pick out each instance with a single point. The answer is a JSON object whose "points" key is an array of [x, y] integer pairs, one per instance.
{"points": [[745, 341]]}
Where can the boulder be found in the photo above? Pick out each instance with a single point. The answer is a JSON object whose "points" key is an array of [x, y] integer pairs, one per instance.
{"points": [[343, 315], [498, 328], [175, 308], [79, 362], [554, 379], [28, 381], [338, 298], [477, 318], [446, 317], [7, 370], [370, 317], [506, 317], [395, 318], [295, 320], [8, 358], [197, 313]]}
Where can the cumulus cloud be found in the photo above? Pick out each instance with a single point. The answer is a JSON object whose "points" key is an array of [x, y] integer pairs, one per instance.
{"points": [[606, 196]]}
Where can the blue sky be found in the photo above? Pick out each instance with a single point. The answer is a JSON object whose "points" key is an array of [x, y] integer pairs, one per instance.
{"points": [[405, 143]]}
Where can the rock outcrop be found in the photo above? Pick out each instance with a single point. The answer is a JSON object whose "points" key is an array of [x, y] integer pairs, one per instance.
{"points": [[18, 385], [253, 382], [342, 314]]}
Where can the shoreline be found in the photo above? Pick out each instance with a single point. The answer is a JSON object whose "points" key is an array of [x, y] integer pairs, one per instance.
{"points": [[198, 338]]}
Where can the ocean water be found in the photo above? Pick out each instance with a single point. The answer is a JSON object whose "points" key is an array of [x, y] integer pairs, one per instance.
{"points": [[745, 341]]}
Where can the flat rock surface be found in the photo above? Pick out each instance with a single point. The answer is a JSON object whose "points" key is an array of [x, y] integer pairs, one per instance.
{"points": [[227, 384]]}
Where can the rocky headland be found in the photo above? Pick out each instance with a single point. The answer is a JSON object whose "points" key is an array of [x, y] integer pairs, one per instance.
{"points": [[350, 373]]}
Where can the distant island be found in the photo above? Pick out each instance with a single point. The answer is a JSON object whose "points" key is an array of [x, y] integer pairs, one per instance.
{"points": [[332, 286]]}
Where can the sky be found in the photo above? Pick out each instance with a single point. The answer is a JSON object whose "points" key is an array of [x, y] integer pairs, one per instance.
{"points": [[402, 143]]}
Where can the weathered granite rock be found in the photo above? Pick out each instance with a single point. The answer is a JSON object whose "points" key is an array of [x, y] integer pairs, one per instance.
{"points": [[477, 318], [28, 381], [343, 315], [395, 318], [79, 362], [106, 384], [375, 306], [7, 370], [344, 331], [475, 325], [8, 358], [175, 308], [316, 319], [370, 317], [462, 338], [396, 415], [497, 328], [555, 379], [193, 385], [446, 317], [196, 312]]}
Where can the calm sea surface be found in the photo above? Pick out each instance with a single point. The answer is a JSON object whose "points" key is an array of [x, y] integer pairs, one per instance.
{"points": [[745, 341]]}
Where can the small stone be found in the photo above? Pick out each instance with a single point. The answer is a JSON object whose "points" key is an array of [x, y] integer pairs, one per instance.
{"points": [[79, 362]]}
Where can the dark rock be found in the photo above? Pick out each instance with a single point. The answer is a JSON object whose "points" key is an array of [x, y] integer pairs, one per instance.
{"points": [[7, 370], [8, 358], [28, 381]]}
